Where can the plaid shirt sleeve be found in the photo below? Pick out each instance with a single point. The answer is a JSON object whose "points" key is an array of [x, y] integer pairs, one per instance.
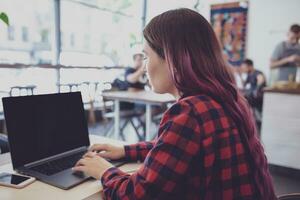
{"points": [[165, 165], [138, 152]]}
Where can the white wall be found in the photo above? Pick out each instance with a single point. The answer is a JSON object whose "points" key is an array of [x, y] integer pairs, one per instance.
{"points": [[268, 23]]}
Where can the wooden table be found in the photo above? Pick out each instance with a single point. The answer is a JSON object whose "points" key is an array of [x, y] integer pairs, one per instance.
{"points": [[88, 190], [144, 97]]}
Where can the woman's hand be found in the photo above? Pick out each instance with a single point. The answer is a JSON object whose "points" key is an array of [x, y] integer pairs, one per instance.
{"points": [[93, 162], [108, 151], [93, 165]]}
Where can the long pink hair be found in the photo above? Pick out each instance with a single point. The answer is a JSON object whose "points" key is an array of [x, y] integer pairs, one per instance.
{"points": [[187, 41]]}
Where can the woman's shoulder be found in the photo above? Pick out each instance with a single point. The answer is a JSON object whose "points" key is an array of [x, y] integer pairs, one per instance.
{"points": [[200, 103], [194, 106]]}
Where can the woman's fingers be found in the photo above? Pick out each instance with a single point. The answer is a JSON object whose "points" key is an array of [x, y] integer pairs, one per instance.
{"points": [[98, 147], [105, 154], [82, 161], [89, 154], [79, 168]]}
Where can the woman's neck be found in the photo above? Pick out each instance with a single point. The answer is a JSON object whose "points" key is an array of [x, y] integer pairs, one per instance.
{"points": [[176, 94]]}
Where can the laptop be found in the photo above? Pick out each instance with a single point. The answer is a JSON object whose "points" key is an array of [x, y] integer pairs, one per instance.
{"points": [[47, 135]]}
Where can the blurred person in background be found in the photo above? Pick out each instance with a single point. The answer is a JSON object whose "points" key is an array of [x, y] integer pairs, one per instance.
{"points": [[286, 56], [135, 76], [254, 84], [134, 80], [253, 87]]}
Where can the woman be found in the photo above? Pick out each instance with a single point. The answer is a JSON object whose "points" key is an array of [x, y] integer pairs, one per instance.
{"points": [[206, 146]]}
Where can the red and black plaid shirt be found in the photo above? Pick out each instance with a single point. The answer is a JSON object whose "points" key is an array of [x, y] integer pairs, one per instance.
{"points": [[198, 154]]}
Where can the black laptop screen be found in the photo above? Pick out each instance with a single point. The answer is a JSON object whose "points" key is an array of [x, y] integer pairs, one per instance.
{"points": [[44, 125]]}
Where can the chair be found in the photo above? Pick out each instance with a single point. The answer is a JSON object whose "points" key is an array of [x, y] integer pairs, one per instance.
{"points": [[29, 89], [68, 86], [292, 196], [89, 91]]}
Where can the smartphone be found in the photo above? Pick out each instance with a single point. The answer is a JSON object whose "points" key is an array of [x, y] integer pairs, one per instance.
{"points": [[15, 180]]}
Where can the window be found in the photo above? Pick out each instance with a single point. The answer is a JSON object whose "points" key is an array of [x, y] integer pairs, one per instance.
{"points": [[101, 30], [95, 33], [27, 41], [28, 36]]}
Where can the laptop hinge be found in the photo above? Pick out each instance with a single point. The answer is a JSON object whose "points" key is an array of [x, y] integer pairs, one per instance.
{"points": [[84, 148]]}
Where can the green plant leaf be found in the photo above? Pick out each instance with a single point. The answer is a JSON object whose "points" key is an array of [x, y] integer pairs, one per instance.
{"points": [[4, 18]]}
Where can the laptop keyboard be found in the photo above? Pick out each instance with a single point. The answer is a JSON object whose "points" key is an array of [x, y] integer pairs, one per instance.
{"points": [[55, 166]]}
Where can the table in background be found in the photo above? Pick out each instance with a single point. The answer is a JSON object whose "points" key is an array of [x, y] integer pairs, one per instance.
{"points": [[148, 98]]}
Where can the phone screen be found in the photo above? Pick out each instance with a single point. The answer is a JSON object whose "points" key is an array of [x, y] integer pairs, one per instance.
{"points": [[12, 178]]}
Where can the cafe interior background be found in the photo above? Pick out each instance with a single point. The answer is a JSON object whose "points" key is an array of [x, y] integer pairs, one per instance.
{"points": [[49, 46]]}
